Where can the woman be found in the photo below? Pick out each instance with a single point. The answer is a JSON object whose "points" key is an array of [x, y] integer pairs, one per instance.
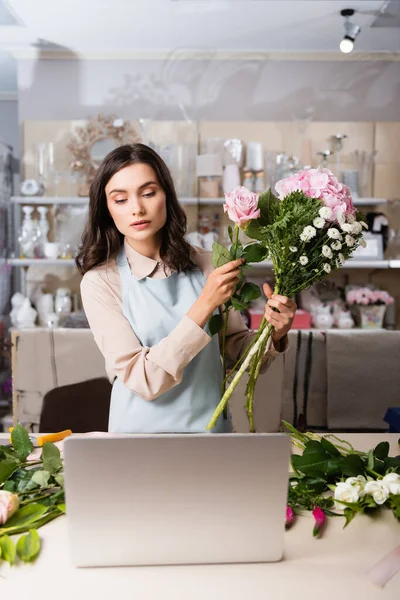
{"points": [[148, 296]]}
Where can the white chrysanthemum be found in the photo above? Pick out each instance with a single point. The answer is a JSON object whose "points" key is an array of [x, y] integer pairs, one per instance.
{"points": [[303, 237], [363, 224], [336, 245], [346, 227], [340, 218], [356, 228], [319, 222], [303, 260], [292, 248], [350, 218], [363, 243], [341, 258], [326, 251], [309, 232], [334, 233], [325, 212], [327, 268], [350, 241]]}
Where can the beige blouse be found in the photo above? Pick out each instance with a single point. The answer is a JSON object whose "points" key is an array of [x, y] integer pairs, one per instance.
{"points": [[150, 372]]}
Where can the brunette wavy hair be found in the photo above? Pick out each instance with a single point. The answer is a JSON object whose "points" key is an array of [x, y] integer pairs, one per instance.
{"points": [[101, 240]]}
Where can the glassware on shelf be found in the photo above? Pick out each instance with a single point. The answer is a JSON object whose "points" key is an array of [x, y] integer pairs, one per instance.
{"points": [[364, 162], [29, 235], [393, 249], [44, 229], [337, 146], [324, 154], [280, 165]]}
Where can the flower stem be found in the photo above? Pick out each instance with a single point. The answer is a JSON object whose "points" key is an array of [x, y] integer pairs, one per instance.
{"points": [[223, 344], [228, 393]]}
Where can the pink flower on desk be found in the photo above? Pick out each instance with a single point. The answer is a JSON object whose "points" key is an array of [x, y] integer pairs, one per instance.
{"points": [[320, 518], [289, 517], [9, 504], [241, 206]]}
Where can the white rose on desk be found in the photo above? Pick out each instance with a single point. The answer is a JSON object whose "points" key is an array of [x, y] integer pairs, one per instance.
{"points": [[358, 483], [392, 481], [9, 504], [378, 490], [346, 493]]}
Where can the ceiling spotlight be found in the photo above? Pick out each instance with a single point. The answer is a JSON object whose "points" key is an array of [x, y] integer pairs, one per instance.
{"points": [[351, 31]]}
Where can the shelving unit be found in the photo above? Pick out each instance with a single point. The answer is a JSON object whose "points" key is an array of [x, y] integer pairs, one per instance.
{"points": [[27, 262], [185, 201]]}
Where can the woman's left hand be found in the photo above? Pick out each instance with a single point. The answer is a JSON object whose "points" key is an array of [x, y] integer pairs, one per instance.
{"points": [[282, 320]]}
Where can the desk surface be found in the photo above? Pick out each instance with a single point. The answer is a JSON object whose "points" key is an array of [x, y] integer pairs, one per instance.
{"points": [[331, 568]]}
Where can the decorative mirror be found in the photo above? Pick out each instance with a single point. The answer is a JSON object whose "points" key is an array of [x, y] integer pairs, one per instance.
{"points": [[91, 144]]}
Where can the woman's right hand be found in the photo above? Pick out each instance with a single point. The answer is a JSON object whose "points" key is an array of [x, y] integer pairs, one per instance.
{"points": [[218, 289]]}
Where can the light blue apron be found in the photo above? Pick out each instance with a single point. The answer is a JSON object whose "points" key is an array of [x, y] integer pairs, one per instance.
{"points": [[153, 308]]}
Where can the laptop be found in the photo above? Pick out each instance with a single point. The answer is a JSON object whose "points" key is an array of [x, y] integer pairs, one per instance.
{"points": [[166, 499]]}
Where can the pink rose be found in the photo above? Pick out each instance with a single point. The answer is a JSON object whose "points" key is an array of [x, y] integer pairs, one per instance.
{"points": [[241, 206], [322, 184], [9, 504], [320, 518]]}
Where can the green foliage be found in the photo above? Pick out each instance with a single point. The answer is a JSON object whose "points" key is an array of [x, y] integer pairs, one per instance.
{"points": [[215, 324], [39, 485], [324, 462], [220, 255]]}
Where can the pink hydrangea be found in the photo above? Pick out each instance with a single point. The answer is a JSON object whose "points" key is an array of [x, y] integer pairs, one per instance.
{"points": [[319, 183]]}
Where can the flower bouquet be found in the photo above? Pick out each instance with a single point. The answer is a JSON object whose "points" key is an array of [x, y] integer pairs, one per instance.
{"points": [[330, 475], [307, 231], [31, 495], [370, 303]]}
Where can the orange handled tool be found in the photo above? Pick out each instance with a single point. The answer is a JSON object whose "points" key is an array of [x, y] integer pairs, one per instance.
{"points": [[47, 437]]}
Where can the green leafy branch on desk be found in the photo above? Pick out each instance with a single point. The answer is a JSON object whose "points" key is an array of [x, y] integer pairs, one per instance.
{"points": [[331, 474], [31, 495]]}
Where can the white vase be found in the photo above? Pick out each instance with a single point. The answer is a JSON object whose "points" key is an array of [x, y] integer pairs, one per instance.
{"points": [[323, 318], [371, 316], [345, 320]]}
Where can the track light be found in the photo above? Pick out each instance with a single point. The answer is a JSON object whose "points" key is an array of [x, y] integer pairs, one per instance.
{"points": [[351, 31]]}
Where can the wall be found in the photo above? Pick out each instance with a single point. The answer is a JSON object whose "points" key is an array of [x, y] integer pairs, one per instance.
{"points": [[176, 89]]}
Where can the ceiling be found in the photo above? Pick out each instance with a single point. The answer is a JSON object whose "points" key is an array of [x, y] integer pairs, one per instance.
{"points": [[164, 26]]}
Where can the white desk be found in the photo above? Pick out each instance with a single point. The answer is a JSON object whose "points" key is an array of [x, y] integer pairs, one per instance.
{"points": [[331, 568]]}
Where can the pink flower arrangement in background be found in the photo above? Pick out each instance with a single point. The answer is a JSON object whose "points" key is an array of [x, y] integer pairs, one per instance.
{"points": [[365, 296], [241, 206], [322, 184]]}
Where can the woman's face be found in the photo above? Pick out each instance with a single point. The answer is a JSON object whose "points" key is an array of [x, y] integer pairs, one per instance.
{"points": [[137, 204]]}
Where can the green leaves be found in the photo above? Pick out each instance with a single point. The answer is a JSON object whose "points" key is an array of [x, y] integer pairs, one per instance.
{"points": [[7, 549], [28, 546], [25, 516], [51, 458], [255, 230], [249, 292], [382, 450], [7, 468], [21, 442], [215, 324], [268, 204], [220, 255], [323, 459], [41, 478], [254, 253]]}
